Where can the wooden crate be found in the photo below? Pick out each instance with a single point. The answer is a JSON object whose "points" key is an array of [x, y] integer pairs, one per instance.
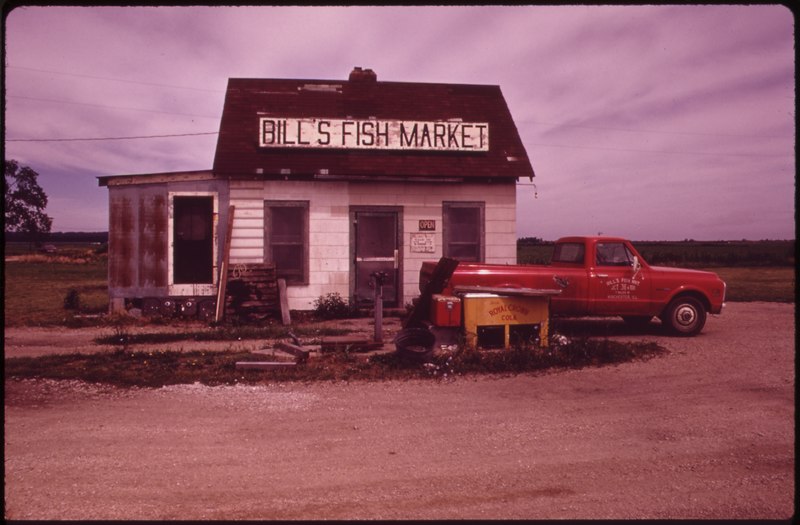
{"points": [[252, 292]]}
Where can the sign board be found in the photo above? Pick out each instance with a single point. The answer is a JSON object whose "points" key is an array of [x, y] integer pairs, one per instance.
{"points": [[373, 134], [427, 225], [422, 243]]}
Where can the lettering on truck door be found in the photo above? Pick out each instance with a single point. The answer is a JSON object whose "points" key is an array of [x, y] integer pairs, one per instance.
{"points": [[614, 287]]}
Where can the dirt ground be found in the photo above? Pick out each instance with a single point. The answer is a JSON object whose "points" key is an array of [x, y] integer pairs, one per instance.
{"points": [[706, 431]]}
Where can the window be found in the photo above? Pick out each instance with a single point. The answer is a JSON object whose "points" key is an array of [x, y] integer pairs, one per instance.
{"points": [[286, 239], [568, 252], [613, 254], [463, 230]]}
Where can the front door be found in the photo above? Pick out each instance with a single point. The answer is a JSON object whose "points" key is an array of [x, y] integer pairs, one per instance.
{"points": [[376, 248], [193, 245]]}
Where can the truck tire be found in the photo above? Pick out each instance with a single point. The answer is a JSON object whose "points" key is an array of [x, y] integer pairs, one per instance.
{"points": [[685, 316], [415, 344]]}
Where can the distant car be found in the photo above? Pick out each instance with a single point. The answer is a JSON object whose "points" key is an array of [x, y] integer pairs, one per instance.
{"points": [[48, 248]]}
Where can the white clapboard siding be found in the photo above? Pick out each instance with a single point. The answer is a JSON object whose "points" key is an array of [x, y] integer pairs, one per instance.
{"points": [[329, 226]]}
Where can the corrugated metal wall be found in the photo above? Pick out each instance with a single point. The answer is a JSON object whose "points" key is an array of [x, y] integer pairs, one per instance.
{"points": [[138, 235], [138, 222]]}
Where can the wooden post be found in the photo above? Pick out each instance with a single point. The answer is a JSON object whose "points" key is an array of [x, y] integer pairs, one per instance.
{"points": [[285, 315], [378, 309], [223, 268]]}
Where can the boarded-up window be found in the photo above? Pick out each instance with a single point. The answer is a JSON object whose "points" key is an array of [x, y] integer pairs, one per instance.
{"points": [[286, 239], [463, 230]]}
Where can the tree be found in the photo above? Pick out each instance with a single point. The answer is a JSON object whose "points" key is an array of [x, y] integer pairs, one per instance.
{"points": [[25, 201]]}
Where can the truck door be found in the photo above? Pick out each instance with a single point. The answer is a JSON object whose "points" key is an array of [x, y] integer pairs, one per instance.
{"points": [[614, 288]]}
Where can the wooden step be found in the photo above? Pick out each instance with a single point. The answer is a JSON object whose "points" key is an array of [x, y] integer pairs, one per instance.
{"points": [[264, 365], [350, 343]]}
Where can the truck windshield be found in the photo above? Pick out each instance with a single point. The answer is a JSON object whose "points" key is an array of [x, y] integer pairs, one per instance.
{"points": [[568, 252]]}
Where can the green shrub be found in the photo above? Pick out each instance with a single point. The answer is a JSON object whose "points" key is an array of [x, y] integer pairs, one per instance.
{"points": [[333, 306]]}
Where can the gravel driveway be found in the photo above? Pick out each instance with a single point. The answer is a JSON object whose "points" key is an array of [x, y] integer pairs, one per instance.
{"points": [[706, 431]]}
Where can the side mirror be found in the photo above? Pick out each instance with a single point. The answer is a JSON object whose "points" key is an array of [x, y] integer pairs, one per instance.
{"points": [[636, 265]]}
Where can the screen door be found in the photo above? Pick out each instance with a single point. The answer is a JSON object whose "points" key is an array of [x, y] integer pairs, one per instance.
{"points": [[376, 247], [193, 238]]}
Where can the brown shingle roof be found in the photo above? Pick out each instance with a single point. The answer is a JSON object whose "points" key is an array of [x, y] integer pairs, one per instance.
{"points": [[362, 97]]}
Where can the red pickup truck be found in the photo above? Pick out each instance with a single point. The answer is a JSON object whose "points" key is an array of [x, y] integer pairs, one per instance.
{"points": [[603, 276]]}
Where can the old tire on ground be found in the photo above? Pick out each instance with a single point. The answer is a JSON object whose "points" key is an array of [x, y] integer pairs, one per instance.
{"points": [[415, 343], [685, 316]]}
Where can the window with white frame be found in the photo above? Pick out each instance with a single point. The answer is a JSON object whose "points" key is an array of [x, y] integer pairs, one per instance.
{"points": [[286, 239], [463, 230]]}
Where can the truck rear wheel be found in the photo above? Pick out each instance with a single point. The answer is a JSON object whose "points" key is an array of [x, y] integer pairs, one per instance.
{"points": [[685, 316]]}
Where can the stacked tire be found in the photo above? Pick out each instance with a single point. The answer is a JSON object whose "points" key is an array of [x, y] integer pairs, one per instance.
{"points": [[415, 344]]}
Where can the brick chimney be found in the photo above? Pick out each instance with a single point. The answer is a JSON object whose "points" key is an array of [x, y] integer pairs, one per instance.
{"points": [[362, 75]]}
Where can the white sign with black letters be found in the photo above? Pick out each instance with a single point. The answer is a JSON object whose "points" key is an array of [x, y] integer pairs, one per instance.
{"points": [[422, 243], [440, 135]]}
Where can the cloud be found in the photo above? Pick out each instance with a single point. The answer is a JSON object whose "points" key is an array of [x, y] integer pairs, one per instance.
{"points": [[648, 121]]}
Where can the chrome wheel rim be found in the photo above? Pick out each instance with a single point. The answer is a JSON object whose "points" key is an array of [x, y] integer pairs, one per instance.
{"points": [[686, 316]]}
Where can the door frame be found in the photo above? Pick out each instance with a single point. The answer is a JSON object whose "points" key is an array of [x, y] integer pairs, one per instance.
{"points": [[398, 211], [190, 289]]}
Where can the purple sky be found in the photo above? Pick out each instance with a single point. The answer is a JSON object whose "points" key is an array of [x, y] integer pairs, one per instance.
{"points": [[653, 123]]}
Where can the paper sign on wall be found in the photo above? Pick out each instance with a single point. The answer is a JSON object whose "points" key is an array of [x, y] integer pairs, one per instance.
{"points": [[422, 243]]}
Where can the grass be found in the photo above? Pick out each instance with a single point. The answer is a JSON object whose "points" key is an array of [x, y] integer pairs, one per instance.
{"points": [[34, 291], [772, 284], [124, 368]]}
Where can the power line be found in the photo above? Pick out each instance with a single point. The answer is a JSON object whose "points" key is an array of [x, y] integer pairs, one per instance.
{"points": [[114, 79], [115, 138], [110, 107]]}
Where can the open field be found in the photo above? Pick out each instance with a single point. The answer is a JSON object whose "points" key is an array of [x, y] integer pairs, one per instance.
{"points": [[759, 284], [66, 249], [35, 291]]}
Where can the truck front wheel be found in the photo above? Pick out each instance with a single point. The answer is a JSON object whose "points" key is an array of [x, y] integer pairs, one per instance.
{"points": [[685, 316]]}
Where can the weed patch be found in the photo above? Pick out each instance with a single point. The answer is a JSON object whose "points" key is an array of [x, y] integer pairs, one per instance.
{"points": [[126, 368], [121, 336], [334, 306]]}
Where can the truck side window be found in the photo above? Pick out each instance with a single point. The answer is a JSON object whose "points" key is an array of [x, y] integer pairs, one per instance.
{"points": [[568, 252], [613, 254]]}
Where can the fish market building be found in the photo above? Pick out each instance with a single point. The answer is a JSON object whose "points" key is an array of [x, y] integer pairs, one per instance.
{"points": [[326, 182]]}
